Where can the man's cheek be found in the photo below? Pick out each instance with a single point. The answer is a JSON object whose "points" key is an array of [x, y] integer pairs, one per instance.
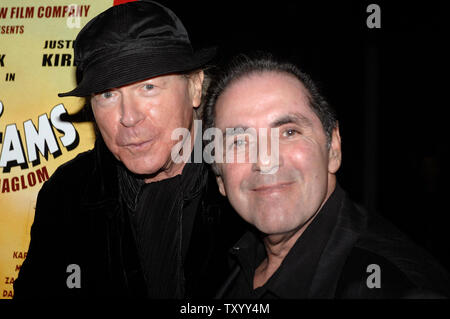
{"points": [[230, 182]]}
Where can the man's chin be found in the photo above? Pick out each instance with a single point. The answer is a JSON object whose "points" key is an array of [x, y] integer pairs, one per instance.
{"points": [[139, 167], [274, 226]]}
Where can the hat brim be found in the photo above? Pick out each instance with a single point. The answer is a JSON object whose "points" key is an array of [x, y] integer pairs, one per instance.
{"points": [[137, 66]]}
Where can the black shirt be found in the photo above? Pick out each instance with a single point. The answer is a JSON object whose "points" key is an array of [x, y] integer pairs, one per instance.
{"points": [[293, 278], [162, 214]]}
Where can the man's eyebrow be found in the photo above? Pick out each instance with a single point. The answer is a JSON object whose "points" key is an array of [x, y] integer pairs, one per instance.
{"points": [[294, 118]]}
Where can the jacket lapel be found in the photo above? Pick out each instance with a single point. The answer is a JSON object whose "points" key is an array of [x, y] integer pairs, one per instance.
{"points": [[350, 223]]}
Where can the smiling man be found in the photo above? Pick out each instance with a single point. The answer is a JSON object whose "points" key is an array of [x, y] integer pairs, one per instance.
{"points": [[309, 239], [126, 219]]}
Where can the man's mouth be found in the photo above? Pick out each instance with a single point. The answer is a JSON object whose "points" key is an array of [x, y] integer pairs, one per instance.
{"points": [[278, 187], [137, 146]]}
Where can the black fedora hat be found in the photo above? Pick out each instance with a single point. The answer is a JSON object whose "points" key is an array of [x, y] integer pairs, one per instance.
{"points": [[132, 42]]}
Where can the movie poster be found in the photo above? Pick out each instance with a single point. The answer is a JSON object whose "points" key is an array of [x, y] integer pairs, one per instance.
{"points": [[36, 63]]}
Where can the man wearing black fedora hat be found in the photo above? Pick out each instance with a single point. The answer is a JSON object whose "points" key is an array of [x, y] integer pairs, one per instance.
{"points": [[125, 219]]}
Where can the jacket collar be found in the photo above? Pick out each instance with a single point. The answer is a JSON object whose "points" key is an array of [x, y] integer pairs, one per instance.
{"points": [[349, 225], [102, 186]]}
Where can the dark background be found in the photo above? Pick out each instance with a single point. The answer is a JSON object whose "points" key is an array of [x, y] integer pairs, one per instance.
{"points": [[386, 84]]}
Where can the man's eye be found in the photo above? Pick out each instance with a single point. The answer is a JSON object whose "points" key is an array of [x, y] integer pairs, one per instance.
{"points": [[290, 133], [236, 143], [239, 142], [107, 95], [148, 87]]}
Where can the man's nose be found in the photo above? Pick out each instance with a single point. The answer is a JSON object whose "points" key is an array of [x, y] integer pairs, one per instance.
{"points": [[131, 113], [269, 165], [269, 158]]}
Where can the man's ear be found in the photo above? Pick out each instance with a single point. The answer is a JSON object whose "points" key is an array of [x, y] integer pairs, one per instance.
{"points": [[221, 185], [334, 153], [196, 87]]}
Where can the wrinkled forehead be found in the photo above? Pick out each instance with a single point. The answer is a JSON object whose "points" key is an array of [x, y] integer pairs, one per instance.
{"points": [[265, 99]]}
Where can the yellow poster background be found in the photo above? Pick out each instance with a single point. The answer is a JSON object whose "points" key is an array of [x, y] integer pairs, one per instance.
{"points": [[29, 90]]}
